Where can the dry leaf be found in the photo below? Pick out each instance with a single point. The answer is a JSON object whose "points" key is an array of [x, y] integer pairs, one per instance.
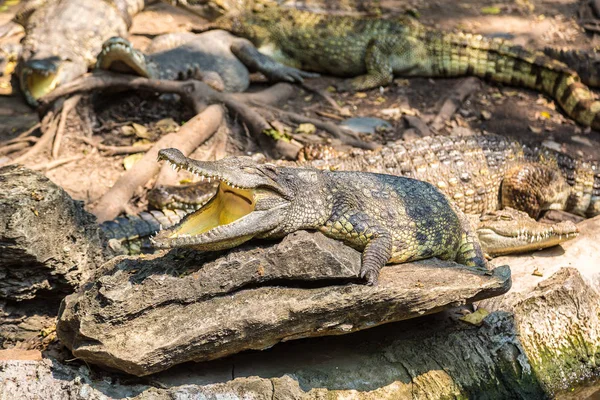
{"points": [[485, 114], [537, 272], [534, 129], [306, 128], [142, 132], [127, 130], [360, 95], [490, 10], [129, 161], [475, 318]]}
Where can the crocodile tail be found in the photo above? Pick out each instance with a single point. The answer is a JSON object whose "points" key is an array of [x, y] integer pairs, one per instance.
{"points": [[132, 233], [499, 61], [585, 63]]}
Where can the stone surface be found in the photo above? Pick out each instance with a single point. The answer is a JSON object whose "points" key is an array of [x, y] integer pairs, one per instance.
{"points": [[48, 246], [48, 243], [142, 316], [365, 124]]}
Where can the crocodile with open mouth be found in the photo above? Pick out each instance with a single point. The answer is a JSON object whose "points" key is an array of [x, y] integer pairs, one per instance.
{"points": [[63, 37], [482, 174], [391, 219]]}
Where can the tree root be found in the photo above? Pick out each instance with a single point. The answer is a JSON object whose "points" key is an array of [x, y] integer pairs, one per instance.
{"points": [[454, 100], [195, 93], [48, 126], [346, 136], [56, 163], [190, 136], [68, 105], [117, 150]]}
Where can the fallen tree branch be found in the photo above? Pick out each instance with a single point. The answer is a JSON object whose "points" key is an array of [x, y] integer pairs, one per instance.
{"points": [[56, 163], [454, 100], [117, 150], [68, 106], [190, 136], [48, 127]]}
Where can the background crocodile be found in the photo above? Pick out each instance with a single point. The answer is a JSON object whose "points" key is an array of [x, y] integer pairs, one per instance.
{"points": [[389, 218], [207, 56], [373, 50], [63, 37], [481, 174]]}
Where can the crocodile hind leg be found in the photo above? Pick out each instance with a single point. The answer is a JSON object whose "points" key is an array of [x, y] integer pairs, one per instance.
{"points": [[533, 187], [379, 69]]}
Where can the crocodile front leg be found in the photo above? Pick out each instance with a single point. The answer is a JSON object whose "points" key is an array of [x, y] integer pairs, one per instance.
{"points": [[254, 60]]}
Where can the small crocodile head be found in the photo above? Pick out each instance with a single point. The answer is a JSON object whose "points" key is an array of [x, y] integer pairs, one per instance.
{"points": [[251, 201], [41, 75], [510, 231], [119, 55]]}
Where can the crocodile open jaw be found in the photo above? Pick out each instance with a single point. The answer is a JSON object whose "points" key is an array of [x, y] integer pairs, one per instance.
{"points": [[228, 219]]}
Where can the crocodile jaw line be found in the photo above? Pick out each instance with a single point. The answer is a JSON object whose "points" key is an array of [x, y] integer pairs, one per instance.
{"points": [[225, 221], [496, 243]]}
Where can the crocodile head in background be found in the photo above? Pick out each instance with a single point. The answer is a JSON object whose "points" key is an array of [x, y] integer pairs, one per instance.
{"points": [[119, 55], [39, 76], [251, 201], [509, 231]]}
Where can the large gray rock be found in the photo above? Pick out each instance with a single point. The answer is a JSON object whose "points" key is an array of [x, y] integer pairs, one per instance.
{"points": [[48, 246], [48, 243], [142, 316]]}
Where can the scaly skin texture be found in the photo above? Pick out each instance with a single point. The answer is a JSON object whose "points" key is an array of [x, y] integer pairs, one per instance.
{"points": [[484, 173], [372, 51], [63, 38], [471, 171], [390, 219], [585, 63]]}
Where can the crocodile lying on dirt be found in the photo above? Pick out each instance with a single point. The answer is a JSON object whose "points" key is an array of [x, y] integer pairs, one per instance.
{"points": [[391, 219], [481, 174], [63, 37], [371, 51], [209, 56]]}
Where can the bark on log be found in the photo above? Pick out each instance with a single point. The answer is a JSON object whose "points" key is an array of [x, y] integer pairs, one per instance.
{"points": [[146, 315]]}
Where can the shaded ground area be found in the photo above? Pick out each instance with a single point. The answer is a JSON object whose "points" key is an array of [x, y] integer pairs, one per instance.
{"points": [[504, 110]]}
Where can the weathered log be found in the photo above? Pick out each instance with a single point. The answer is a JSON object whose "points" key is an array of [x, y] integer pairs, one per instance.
{"points": [[146, 315], [48, 243]]}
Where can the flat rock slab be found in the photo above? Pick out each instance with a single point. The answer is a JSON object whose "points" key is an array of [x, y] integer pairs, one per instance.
{"points": [[144, 315]]}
